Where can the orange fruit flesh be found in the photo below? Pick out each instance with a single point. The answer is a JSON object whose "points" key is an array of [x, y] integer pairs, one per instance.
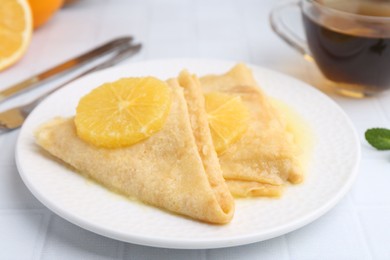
{"points": [[228, 119], [15, 31], [123, 112]]}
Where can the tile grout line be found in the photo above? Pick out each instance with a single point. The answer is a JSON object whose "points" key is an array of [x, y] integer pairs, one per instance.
{"points": [[45, 234], [241, 15], [380, 107], [103, 12], [121, 249], [367, 206], [44, 227], [204, 254], [195, 25], [196, 20], [22, 210], [147, 27], [361, 229], [286, 246]]}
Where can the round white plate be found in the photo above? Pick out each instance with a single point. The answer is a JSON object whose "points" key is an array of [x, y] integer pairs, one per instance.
{"points": [[332, 169]]}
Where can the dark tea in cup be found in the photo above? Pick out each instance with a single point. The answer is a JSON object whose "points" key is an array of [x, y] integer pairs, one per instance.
{"points": [[356, 55], [350, 42]]}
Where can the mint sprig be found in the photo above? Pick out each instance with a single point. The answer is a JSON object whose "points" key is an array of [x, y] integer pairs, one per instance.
{"points": [[379, 138]]}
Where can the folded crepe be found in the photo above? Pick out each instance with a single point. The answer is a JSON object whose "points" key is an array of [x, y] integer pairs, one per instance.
{"points": [[176, 169], [268, 154]]}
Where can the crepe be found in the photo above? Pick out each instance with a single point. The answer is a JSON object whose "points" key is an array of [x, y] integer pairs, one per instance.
{"points": [[268, 154], [169, 170]]}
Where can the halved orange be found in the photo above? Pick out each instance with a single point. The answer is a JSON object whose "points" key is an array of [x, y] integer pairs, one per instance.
{"points": [[43, 10], [15, 31], [123, 112], [228, 119]]}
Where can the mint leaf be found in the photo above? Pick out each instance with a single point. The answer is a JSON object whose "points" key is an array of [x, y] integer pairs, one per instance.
{"points": [[379, 138]]}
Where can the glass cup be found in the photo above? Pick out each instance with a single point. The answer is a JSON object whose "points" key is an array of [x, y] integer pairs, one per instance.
{"points": [[349, 40]]}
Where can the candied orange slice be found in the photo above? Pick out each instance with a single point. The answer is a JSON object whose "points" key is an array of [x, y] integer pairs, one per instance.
{"points": [[228, 119], [123, 112]]}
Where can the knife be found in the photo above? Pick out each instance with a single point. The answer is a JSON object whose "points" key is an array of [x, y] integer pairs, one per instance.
{"points": [[66, 66], [123, 53], [13, 118]]}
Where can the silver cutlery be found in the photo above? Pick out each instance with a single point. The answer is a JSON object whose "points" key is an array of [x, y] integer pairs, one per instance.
{"points": [[13, 118], [66, 66]]}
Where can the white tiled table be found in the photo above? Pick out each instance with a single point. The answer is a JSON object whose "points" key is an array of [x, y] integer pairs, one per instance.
{"points": [[357, 228]]}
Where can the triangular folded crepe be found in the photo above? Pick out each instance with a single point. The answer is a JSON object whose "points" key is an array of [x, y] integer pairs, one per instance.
{"points": [[169, 170], [267, 155]]}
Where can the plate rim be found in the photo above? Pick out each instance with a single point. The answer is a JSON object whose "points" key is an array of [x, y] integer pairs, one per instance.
{"points": [[183, 243]]}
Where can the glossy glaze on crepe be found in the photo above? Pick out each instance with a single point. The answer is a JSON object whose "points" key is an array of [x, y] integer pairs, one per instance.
{"points": [[266, 156], [165, 170]]}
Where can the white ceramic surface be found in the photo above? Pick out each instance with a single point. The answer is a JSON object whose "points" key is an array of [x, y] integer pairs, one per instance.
{"points": [[332, 169]]}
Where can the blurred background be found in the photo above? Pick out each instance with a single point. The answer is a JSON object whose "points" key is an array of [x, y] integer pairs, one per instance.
{"points": [[221, 29], [196, 29]]}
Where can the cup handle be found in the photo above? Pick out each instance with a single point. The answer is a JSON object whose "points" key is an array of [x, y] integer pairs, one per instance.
{"points": [[285, 33]]}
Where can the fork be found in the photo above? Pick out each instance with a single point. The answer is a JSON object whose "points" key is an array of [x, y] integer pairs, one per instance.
{"points": [[14, 118]]}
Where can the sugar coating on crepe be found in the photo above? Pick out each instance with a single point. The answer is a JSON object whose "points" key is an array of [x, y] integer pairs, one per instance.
{"points": [[266, 154], [165, 170], [200, 128]]}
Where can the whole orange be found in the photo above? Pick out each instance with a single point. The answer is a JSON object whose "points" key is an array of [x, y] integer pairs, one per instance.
{"points": [[43, 10]]}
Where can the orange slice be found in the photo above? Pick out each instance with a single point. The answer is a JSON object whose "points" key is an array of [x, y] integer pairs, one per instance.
{"points": [[15, 31], [123, 112], [228, 119]]}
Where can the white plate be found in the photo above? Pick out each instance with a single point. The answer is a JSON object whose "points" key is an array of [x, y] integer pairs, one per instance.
{"points": [[332, 170]]}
